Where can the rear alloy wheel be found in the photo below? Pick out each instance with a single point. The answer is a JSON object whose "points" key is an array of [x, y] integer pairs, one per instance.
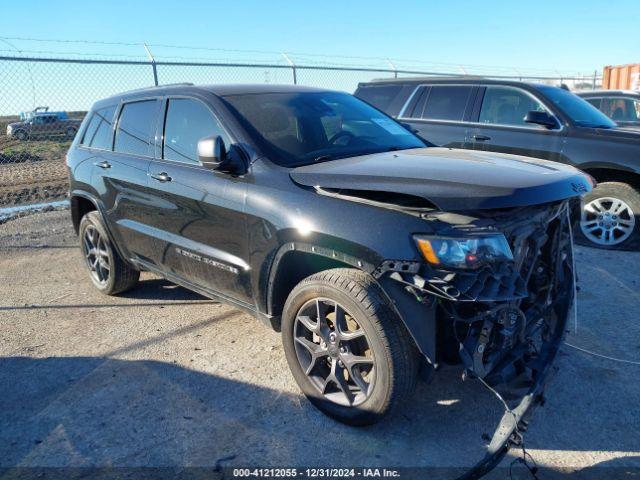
{"points": [[347, 349], [608, 217], [108, 272]]}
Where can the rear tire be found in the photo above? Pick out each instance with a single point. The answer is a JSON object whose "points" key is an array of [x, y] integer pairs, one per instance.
{"points": [[371, 324], [71, 132], [108, 272], [610, 217]]}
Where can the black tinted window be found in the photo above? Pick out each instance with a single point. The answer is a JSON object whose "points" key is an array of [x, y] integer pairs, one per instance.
{"points": [[446, 102], [380, 96], [187, 122], [136, 128], [99, 133]]}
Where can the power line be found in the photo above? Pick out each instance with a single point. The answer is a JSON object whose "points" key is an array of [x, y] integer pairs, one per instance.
{"points": [[529, 71]]}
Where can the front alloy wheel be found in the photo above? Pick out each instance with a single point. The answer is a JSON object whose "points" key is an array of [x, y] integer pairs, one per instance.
{"points": [[347, 348], [334, 352]]}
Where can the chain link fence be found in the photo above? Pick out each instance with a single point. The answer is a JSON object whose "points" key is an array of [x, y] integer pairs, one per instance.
{"points": [[43, 101]]}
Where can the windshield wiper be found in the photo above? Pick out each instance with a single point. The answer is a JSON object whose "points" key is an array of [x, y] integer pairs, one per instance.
{"points": [[323, 158]]}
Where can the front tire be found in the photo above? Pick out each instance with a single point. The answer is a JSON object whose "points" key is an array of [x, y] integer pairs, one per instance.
{"points": [[108, 272], [610, 217], [347, 349], [21, 135]]}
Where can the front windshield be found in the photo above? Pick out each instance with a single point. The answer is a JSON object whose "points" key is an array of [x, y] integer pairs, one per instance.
{"points": [[581, 112], [301, 128]]}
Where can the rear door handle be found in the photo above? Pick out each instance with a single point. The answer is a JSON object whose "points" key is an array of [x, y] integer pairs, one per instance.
{"points": [[481, 138], [103, 164], [161, 177]]}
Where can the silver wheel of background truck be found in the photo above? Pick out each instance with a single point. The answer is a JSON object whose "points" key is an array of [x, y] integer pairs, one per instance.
{"points": [[608, 216]]}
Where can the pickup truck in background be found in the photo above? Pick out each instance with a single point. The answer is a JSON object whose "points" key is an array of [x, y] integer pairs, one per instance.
{"points": [[44, 125]]}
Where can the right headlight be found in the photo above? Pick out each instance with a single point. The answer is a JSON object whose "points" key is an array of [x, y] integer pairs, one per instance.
{"points": [[463, 252]]}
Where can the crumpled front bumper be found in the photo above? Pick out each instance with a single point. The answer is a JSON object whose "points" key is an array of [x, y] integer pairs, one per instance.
{"points": [[514, 422]]}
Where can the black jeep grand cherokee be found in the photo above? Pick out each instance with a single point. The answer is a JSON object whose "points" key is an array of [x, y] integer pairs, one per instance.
{"points": [[374, 255]]}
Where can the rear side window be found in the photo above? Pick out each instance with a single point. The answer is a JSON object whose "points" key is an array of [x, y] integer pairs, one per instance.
{"points": [[187, 122], [99, 133], [508, 106], [136, 128], [440, 102], [446, 103], [380, 96]]}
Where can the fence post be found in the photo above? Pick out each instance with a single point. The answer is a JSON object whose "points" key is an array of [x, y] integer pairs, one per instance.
{"points": [[595, 75], [153, 65], [293, 67], [393, 67]]}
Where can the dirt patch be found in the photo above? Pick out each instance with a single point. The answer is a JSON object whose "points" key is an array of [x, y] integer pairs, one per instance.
{"points": [[32, 171]]}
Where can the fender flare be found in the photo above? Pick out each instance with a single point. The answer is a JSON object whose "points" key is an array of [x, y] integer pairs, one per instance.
{"points": [[418, 319], [100, 209]]}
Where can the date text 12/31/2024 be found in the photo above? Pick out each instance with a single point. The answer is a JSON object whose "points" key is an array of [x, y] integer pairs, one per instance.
{"points": [[315, 473]]}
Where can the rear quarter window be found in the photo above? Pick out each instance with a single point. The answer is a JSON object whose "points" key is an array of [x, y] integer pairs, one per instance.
{"points": [[99, 132]]}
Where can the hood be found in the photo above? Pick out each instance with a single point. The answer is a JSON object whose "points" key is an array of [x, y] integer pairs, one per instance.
{"points": [[627, 133], [451, 180]]}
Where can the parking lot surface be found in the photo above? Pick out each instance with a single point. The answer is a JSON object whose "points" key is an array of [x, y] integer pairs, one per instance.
{"points": [[161, 376]]}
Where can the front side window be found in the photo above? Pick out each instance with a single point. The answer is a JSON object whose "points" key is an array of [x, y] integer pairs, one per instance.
{"points": [[99, 132], [507, 106], [188, 121], [444, 103], [136, 128], [581, 112], [305, 127], [621, 109]]}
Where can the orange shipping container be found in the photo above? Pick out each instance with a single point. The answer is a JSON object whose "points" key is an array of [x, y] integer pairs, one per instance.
{"points": [[621, 77]]}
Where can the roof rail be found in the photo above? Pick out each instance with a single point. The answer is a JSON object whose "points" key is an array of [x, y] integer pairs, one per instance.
{"points": [[144, 89]]}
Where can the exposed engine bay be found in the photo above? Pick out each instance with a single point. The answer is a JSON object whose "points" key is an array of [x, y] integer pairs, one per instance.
{"points": [[500, 316]]}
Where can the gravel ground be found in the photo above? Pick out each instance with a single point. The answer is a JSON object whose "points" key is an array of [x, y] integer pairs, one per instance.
{"points": [[164, 377]]}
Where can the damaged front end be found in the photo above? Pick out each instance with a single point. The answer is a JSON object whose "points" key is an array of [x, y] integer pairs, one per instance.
{"points": [[503, 317]]}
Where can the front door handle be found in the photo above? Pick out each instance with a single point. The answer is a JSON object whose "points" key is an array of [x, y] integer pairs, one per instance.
{"points": [[103, 164], [161, 177], [481, 138]]}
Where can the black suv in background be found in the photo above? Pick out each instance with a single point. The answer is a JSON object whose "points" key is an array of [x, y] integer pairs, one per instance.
{"points": [[331, 222], [621, 106], [533, 120]]}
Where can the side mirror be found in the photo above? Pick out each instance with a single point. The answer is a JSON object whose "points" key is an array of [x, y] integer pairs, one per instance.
{"points": [[542, 118], [212, 153]]}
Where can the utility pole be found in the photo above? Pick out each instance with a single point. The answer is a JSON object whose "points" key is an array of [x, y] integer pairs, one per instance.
{"points": [[153, 65]]}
